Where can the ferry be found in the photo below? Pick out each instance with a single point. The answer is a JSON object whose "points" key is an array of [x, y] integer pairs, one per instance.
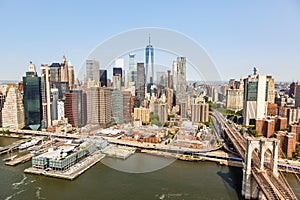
{"points": [[28, 144]]}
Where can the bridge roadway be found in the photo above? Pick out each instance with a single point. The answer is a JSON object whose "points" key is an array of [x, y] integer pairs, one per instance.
{"points": [[271, 186]]}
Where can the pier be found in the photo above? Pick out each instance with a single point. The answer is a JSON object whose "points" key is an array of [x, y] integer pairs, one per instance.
{"points": [[19, 160], [71, 173]]}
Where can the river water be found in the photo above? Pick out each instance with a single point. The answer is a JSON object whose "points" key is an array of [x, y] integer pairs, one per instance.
{"points": [[179, 180]]}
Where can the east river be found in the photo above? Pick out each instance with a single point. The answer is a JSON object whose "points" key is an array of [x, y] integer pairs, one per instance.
{"points": [[179, 180]]}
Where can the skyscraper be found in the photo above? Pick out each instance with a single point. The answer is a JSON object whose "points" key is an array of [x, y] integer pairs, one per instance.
{"points": [[46, 95], [92, 70], [103, 78], [140, 84], [162, 112], [117, 106], [127, 106], [132, 69], [255, 97], [32, 98], [64, 70], [149, 60], [93, 105], [71, 77], [297, 95], [170, 84], [75, 105], [13, 110], [99, 106], [55, 95], [2, 100], [117, 77], [271, 89], [117, 71], [179, 72], [119, 63]]}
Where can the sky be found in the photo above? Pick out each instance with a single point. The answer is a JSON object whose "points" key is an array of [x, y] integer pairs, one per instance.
{"points": [[237, 35]]}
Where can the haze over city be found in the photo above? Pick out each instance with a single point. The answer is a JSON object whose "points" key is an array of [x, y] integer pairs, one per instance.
{"points": [[236, 35]]}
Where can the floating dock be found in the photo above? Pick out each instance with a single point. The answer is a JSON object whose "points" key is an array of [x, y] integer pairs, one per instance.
{"points": [[71, 173], [19, 160]]}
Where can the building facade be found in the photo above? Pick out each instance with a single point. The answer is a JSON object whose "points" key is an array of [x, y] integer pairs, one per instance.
{"points": [[149, 60], [140, 84], [180, 80], [92, 70], [32, 99], [13, 110], [255, 97]]}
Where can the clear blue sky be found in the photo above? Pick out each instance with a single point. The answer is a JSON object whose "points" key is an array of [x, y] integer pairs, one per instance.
{"points": [[237, 35]]}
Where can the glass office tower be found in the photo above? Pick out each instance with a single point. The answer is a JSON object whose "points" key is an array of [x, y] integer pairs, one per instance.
{"points": [[32, 99]]}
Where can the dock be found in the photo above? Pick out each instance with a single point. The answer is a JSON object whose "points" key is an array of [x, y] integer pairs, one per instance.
{"points": [[121, 152], [12, 146], [71, 173], [19, 160]]}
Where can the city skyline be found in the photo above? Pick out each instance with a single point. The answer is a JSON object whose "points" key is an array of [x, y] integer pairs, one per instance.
{"points": [[237, 36]]}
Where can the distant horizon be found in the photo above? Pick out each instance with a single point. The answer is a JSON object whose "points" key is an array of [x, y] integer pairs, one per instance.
{"points": [[236, 35]]}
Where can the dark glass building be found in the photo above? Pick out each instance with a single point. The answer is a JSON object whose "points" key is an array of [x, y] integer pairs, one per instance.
{"points": [[103, 77], [32, 99], [117, 71]]}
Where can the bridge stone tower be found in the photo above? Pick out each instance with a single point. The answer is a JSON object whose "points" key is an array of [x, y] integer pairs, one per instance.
{"points": [[263, 147]]}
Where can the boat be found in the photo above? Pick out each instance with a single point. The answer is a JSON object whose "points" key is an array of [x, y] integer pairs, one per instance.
{"points": [[28, 144], [10, 158]]}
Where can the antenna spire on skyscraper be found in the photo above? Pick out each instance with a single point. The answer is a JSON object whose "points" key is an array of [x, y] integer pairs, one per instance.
{"points": [[149, 39]]}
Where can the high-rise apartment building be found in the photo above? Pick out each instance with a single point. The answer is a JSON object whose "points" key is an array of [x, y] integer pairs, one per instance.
{"points": [[142, 114], [13, 110], [2, 100], [234, 99], [149, 60], [255, 97], [32, 99], [117, 82], [163, 112], [99, 106], [117, 106], [271, 89], [179, 72], [105, 107], [93, 105], [297, 95], [200, 112], [92, 70], [140, 84], [127, 107]]}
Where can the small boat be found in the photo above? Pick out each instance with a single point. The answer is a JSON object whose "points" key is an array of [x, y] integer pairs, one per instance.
{"points": [[10, 158]]}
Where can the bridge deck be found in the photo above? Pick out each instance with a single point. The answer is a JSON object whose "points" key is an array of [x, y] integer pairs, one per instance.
{"points": [[271, 186]]}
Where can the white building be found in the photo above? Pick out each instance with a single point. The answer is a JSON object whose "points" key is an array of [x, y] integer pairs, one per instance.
{"points": [[256, 97], [13, 110], [92, 70]]}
